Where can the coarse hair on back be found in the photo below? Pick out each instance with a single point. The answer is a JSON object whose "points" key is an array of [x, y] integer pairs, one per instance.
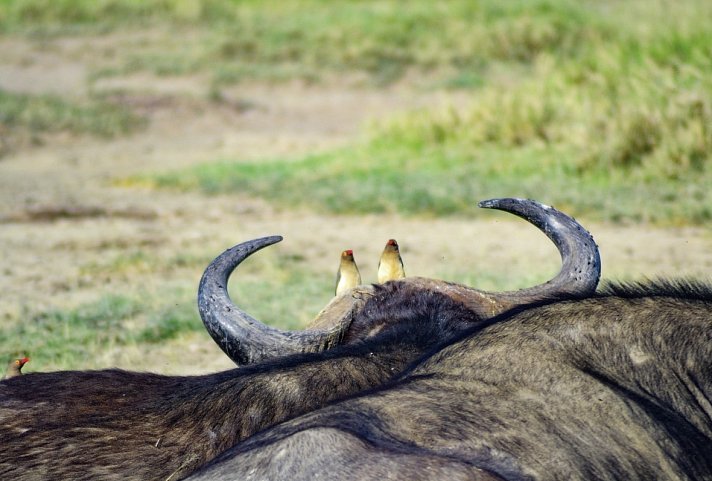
{"points": [[682, 288]]}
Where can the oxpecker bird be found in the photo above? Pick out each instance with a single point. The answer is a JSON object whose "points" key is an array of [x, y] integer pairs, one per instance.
{"points": [[390, 267], [348, 275], [15, 367]]}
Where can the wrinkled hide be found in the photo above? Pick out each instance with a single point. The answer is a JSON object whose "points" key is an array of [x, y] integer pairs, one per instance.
{"points": [[615, 387]]}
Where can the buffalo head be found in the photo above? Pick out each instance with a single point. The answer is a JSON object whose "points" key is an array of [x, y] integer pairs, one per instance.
{"points": [[246, 340]]}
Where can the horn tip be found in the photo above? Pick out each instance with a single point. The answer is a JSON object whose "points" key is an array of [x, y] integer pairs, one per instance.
{"points": [[506, 203], [272, 239]]}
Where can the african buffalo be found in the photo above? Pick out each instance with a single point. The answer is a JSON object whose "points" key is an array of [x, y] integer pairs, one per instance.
{"points": [[112, 424], [617, 386]]}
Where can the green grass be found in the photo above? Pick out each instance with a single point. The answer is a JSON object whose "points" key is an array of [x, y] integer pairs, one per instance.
{"points": [[461, 40], [441, 164], [279, 289], [608, 116], [47, 113], [72, 15], [89, 328], [28, 118], [433, 182], [460, 43]]}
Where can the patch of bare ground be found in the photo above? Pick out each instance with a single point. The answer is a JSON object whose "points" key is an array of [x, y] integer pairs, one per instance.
{"points": [[60, 210]]}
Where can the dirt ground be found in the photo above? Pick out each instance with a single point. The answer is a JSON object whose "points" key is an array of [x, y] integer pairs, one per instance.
{"points": [[61, 209]]}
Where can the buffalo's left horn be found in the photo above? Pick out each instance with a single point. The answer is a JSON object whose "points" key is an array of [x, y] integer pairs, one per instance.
{"points": [[245, 339]]}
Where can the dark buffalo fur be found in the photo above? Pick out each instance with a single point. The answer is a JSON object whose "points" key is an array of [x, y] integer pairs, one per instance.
{"points": [[691, 289], [614, 387], [92, 425]]}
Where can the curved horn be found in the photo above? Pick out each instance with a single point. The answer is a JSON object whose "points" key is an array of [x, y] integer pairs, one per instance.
{"points": [[579, 275], [581, 262], [244, 339]]}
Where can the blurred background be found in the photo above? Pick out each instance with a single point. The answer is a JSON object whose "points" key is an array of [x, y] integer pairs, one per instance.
{"points": [[139, 139]]}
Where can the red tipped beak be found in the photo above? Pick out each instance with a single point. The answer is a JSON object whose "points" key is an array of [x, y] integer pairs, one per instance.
{"points": [[24, 361], [349, 252]]}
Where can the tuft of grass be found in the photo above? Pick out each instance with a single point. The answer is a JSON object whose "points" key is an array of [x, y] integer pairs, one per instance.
{"points": [[70, 337], [26, 117], [48, 16], [279, 289]]}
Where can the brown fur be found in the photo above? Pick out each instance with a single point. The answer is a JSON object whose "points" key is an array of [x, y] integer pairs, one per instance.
{"points": [[615, 387], [89, 425]]}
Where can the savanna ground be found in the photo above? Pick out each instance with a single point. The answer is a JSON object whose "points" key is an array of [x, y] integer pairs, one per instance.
{"points": [[140, 139]]}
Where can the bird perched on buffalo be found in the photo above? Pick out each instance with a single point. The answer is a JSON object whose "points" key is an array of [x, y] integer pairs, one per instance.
{"points": [[348, 275], [390, 267], [15, 367]]}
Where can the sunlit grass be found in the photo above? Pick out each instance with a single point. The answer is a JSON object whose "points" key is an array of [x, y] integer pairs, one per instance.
{"points": [[437, 182], [607, 115], [278, 289], [47, 113], [639, 152], [26, 119], [276, 40]]}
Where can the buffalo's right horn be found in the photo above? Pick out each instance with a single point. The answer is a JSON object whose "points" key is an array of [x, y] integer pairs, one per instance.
{"points": [[578, 277]]}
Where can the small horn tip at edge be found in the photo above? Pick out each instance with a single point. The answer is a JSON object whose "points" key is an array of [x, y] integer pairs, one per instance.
{"points": [[267, 240], [497, 202]]}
